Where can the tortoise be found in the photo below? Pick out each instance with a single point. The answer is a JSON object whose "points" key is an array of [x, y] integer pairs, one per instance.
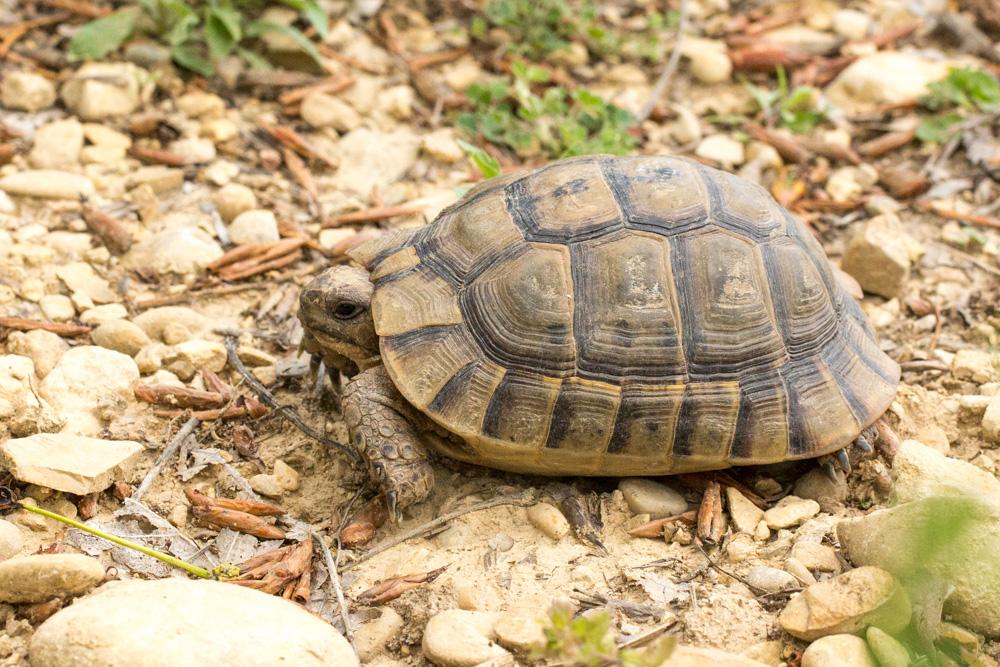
{"points": [[601, 316]]}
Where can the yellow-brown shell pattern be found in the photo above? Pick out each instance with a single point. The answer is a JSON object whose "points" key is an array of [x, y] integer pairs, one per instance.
{"points": [[613, 316]]}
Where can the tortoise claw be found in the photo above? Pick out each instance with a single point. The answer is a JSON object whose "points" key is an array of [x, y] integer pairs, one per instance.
{"points": [[844, 460], [395, 515], [861, 442], [830, 470]]}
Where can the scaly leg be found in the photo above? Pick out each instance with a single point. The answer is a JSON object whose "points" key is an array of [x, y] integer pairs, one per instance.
{"points": [[383, 428]]}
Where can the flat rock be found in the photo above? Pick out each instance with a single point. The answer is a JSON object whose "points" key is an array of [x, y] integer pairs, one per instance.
{"points": [[42, 577], [838, 651], [991, 420], [848, 603], [745, 514], [885, 77], [790, 511], [89, 385], [974, 365], [81, 277], [11, 540], [186, 623], [645, 496], [71, 463], [47, 184], [459, 638]]}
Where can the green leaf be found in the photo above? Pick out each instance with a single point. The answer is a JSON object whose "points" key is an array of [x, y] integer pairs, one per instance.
{"points": [[254, 60], [258, 28], [488, 165], [222, 30], [178, 21], [104, 35], [314, 14], [188, 57], [938, 128]]}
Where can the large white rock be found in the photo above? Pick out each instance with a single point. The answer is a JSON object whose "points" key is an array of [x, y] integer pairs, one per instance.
{"points": [[459, 638], [71, 463], [885, 77], [89, 385], [946, 523], [184, 623]]}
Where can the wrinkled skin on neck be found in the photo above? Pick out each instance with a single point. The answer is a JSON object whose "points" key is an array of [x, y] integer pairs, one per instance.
{"points": [[335, 309]]}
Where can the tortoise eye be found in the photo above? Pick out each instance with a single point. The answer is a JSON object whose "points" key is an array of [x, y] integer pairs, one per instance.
{"points": [[345, 310]]}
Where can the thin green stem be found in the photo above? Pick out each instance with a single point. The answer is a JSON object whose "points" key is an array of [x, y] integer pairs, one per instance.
{"points": [[159, 555]]}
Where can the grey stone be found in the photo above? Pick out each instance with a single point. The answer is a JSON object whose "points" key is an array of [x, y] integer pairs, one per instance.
{"points": [[770, 579]]}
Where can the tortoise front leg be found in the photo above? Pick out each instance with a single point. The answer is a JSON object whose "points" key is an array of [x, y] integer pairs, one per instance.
{"points": [[383, 428]]}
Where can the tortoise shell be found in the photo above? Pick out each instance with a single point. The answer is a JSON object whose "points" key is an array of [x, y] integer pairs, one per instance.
{"points": [[621, 316]]}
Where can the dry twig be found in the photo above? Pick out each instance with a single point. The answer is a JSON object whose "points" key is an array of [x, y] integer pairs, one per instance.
{"points": [[60, 328], [663, 81]]}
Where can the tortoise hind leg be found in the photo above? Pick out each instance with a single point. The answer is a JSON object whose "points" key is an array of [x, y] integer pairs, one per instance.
{"points": [[383, 427]]}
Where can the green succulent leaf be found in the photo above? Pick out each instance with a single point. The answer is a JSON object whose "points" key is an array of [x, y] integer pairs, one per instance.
{"points": [[938, 129], [189, 57], [312, 12]]}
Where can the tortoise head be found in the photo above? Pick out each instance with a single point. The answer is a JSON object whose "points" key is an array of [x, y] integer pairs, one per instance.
{"points": [[335, 309]]}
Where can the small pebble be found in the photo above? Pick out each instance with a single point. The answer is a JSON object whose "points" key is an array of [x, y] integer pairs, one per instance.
{"points": [[287, 478], [795, 568], [11, 540], [459, 638], [815, 556], [838, 651], [266, 485], [790, 511], [770, 579], [42, 577], [121, 336], [548, 519], [519, 631], [254, 226], [889, 651], [57, 307], [644, 496]]}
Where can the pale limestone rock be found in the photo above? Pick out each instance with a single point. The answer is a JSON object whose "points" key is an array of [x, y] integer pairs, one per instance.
{"points": [[42, 577], [70, 463]]}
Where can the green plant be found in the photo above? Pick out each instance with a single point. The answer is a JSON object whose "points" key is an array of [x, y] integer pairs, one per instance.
{"points": [[588, 641], [198, 33], [556, 123], [537, 27], [488, 165], [799, 110], [965, 89]]}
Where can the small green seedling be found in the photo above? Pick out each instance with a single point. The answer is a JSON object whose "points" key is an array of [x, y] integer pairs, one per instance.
{"points": [[800, 110], [198, 33], [588, 641], [963, 90]]}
